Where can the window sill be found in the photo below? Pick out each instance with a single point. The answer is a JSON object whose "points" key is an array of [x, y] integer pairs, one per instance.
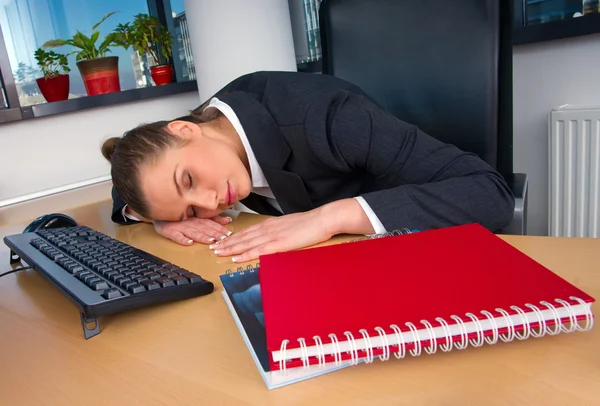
{"points": [[90, 102], [573, 27]]}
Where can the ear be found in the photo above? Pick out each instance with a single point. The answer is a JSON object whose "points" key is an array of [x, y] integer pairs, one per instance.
{"points": [[183, 129]]}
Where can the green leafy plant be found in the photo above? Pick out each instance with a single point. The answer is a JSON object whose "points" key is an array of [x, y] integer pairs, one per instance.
{"points": [[147, 36], [51, 63], [87, 45]]}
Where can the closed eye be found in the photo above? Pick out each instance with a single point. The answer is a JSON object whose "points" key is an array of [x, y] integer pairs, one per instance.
{"points": [[191, 182]]}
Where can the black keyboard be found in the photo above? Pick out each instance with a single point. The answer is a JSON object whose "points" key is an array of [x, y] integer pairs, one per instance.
{"points": [[103, 275]]}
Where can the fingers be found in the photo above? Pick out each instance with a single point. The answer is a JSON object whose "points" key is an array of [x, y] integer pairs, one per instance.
{"points": [[252, 241], [198, 236], [179, 238], [256, 252], [238, 237], [210, 228], [222, 220]]}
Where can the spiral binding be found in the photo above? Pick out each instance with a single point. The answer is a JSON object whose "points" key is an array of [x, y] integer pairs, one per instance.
{"points": [[381, 235], [446, 342], [241, 270]]}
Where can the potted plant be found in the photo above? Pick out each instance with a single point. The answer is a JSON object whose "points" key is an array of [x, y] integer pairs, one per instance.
{"points": [[148, 36], [55, 83], [100, 73]]}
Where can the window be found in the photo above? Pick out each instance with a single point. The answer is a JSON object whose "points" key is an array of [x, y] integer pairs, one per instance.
{"points": [[305, 21], [182, 50], [545, 20], [545, 11], [28, 24]]}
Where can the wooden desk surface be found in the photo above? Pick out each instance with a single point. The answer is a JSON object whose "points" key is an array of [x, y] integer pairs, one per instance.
{"points": [[191, 352]]}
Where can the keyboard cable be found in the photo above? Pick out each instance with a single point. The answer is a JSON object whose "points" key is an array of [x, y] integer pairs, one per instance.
{"points": [[15, 270]]}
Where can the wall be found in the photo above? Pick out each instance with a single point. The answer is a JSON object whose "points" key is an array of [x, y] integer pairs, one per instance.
{"points": [[62, 150], [547, 75]]}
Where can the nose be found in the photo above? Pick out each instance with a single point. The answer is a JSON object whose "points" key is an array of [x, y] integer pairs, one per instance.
{"points": [[206, 199]]}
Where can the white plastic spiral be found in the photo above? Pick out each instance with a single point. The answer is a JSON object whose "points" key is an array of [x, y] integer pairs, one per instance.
{"points": [[240, 270], [353, 351], [480, 338], [517, 326], [305, 360], [381, 235], [447, 346], [320, 351], [337, 353], [401, 345], [432, 347], [365, 335], [543, 328], [386, 347]]}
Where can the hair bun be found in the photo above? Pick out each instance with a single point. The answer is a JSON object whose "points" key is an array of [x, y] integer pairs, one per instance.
{"points": [[108, 148]]}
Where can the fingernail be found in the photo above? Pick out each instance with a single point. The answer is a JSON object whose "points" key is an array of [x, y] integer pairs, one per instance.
{"points": [[218, 251], [213, 246], [223, 237], [229, 233], [230, 219], [235, 259], [211, 239], [190, 241]]}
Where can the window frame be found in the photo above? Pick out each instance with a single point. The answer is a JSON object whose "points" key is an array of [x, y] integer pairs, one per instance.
{"points": [[12, 112], [15, 112], [561, 29]]}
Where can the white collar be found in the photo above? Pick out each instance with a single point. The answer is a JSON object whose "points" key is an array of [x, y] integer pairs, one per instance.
{"points": [[258, 178]]}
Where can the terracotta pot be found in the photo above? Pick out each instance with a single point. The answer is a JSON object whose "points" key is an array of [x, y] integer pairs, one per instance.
{"points": [[161, 74], [54, 89], [100, 75]]}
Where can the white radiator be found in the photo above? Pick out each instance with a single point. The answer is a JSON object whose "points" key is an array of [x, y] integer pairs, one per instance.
{"points": [[574, 176]]}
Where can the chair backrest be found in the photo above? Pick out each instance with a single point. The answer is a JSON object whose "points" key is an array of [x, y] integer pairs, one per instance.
{"points": [[443, 65]]}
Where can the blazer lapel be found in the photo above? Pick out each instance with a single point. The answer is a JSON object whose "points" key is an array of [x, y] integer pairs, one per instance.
{"points": [[259, 205], [289, 190], [271, 150]]}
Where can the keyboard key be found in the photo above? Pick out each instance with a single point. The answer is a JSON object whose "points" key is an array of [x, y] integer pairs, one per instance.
{"points": [[88, 278], [75, 268], [165, 282], [99, 285], [123, 281], [150, 284], [192, 277], [111, 294], [179, 280], [137, 289], [127, 285]]}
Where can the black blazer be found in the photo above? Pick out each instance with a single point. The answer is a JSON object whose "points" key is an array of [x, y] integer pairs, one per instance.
{"points": [[319, 139]]}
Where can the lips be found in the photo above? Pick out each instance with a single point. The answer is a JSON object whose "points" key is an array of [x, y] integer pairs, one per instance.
{"points": [[231, 195]]}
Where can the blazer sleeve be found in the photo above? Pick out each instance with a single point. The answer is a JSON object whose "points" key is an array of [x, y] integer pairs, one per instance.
{"points": [[418, 182], [117, 209]]}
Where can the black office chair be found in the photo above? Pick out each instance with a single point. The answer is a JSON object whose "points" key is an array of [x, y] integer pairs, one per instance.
{"points": [[445, 66]]}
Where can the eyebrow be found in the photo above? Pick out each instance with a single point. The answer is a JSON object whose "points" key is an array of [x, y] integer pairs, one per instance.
{"points": [[178, 189]]}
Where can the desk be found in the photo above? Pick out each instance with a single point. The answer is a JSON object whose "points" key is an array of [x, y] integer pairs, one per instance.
{"points": [[191, 352]]}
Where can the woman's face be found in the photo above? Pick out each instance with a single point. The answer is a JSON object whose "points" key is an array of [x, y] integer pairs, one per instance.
{"points": [[201, 179]]}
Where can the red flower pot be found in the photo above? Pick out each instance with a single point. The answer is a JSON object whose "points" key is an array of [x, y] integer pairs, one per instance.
{"points": [[161, 74], [100, 75], [54, 89]]}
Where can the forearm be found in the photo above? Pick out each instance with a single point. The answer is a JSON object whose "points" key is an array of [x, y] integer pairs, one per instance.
{"points": [[345, 216], [480, 198]]}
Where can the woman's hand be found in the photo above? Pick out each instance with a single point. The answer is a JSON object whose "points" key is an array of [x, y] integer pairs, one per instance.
{"points": [[194, 229], [294, 231], [275, 235]]}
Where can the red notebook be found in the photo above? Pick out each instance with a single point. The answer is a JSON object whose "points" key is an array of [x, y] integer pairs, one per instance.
{"points": [[405, 295]]}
